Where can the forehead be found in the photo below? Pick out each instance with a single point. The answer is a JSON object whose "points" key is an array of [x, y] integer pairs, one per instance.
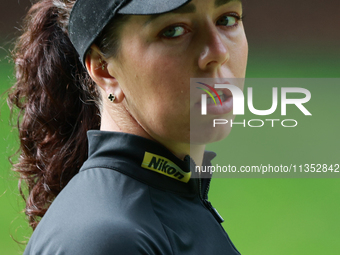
{"points": [[191, 8]]}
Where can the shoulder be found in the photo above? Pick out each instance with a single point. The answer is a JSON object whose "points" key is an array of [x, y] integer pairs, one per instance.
{"points": [[100, 212], [120, 238]]}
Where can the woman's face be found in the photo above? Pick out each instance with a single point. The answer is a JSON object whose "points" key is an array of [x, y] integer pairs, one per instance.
{"points": [[160, 53]]}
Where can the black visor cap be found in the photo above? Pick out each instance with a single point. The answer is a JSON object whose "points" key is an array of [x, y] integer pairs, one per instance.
{"points": [[89, 17]]}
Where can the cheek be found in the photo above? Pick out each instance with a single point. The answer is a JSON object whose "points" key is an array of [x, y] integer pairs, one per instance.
{"points": [[157, 91], [243, 54], [168, 88], [160, 76], [239, 56], [244, 48]]}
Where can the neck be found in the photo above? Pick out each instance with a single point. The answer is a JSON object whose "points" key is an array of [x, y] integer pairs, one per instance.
{"points": [[180, 150], [125, 123]]}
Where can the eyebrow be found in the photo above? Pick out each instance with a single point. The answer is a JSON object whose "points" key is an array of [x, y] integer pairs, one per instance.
{"points": [[188, 8], [219, 3]]}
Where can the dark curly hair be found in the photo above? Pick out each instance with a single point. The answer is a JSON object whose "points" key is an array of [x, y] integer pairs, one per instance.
{"points": [[57, 102]]}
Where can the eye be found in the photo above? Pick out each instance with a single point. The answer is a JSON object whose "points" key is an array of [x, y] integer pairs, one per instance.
{"points": [[228, 20], [173, 32]]}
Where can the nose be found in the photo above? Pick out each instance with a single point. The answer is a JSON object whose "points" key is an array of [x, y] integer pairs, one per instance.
{"points": [[215, 52]]}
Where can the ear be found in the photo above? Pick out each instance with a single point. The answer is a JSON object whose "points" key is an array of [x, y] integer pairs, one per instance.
{"points": [[96, 66]]}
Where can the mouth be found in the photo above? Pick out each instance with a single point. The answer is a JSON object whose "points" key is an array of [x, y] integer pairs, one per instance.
{"points": [[222, 96], [217, 104]]}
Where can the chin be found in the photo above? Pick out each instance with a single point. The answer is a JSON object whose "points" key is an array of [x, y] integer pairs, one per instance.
{"points": [[206, 135]]}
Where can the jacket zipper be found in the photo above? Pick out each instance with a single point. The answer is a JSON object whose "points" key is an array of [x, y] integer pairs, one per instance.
{"points": [[207, 204], [203, 197]]}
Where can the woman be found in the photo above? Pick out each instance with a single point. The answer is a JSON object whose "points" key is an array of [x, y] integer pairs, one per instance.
{"points": [[127, 75]]}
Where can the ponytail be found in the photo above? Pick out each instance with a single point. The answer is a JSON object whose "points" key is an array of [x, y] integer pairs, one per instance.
{"points": [[57, 104]]}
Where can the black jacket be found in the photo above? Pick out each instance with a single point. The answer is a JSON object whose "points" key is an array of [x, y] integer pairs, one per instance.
{"points": [[132, 196]]}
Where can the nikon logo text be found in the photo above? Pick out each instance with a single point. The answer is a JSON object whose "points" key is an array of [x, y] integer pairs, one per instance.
{"points": [[164, 166]]}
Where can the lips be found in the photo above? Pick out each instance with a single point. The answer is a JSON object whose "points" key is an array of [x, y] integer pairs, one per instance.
{"points": [[218, 109], [217, 98]]}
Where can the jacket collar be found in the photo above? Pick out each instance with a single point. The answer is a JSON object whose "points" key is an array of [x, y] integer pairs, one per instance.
{"points": [[144, 160]]}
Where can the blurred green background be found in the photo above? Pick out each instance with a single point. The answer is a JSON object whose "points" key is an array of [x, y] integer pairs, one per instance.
{"points": [[12, 221], [262, 216], [299, 214]]}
